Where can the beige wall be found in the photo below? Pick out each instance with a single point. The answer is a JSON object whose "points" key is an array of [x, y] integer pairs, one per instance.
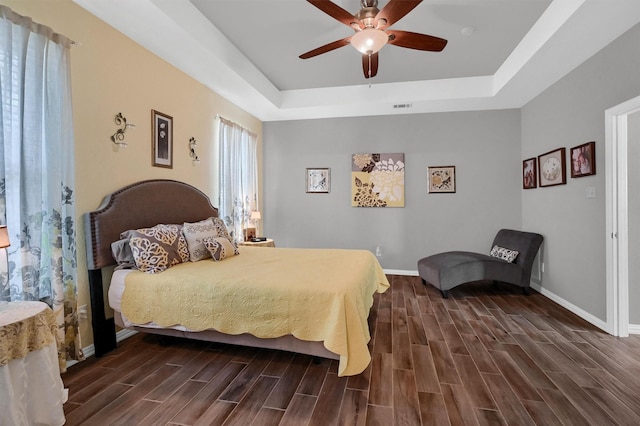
{"points": [[111, 74]]}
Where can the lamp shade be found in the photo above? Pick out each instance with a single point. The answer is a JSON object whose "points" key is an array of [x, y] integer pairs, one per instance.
{"points": [[4, 237], [369, 40], [255, 215]]}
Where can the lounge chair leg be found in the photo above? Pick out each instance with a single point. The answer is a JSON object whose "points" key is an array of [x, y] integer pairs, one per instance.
{"points": [[445, 294], [526, 291], [423, 281]]}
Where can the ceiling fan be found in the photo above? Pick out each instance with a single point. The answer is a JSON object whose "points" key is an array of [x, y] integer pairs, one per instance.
{"points": [[372, 33]]}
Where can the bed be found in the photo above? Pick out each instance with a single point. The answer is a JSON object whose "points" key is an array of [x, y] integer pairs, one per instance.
{"points": [[310, 301]]}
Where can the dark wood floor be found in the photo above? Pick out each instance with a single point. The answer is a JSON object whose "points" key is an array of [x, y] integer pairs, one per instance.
{"points": [[487, 355]]}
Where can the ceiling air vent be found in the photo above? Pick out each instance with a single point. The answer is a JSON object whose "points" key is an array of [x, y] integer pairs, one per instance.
{"points": [[399, 106]]}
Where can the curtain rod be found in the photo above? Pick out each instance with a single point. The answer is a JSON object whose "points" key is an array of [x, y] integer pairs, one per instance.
{"points": [[221, 118], [27, 22]]}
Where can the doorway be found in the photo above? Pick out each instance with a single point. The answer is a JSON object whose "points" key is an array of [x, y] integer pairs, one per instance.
{"points": [[621, 123]]}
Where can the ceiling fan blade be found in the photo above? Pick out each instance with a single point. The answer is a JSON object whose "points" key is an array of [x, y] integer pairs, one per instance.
{"points": [[326, 48], [337, 13], [370, 65], [393, 11], [416, 41]]}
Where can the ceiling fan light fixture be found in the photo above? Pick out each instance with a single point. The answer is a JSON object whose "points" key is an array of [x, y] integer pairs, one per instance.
{"points": [[369, 40]]}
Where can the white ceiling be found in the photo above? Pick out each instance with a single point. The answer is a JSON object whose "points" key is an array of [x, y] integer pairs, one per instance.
{"points": [[247, 51]]}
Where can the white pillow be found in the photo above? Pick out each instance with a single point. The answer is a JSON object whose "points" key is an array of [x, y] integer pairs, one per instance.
{"points": [[504, 253], [220, 248], [195, 233]]}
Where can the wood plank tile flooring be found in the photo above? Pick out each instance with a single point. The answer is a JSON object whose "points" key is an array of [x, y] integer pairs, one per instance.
{"points": [[488, 355]]}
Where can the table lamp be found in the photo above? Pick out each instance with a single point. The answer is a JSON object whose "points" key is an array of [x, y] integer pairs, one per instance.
{"points": [[4, 243], [4, 237], [255, 217]]}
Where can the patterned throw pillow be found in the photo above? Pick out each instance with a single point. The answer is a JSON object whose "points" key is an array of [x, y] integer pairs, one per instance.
{"points": [[220, 248], [504, 253], [159, 248], [223, 232], [195, 233]]}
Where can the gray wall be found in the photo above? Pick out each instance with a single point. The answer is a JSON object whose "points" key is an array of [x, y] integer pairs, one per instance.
{"points": [[484, 147], [634, 217], [570, 113]]}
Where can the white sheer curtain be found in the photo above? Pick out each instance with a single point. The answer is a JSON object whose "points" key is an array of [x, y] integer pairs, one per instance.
{"points": [[37, 189], [238, 176]]}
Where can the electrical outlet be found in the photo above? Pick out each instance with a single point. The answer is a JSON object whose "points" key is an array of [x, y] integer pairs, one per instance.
{"points": [[378, 251], [590, 192]]}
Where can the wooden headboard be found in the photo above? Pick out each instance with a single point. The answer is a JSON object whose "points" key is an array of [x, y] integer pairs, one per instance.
{"points": [[139, 205]]}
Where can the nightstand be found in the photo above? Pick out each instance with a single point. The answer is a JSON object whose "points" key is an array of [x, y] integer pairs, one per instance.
{"points": [[267, 243]]}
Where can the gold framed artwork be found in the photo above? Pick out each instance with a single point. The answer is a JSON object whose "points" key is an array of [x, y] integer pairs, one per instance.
{"points": [[377, 180], [161, 139], [583, 160], [529, 174], [441, 179], [318, 180], [552, 169]]}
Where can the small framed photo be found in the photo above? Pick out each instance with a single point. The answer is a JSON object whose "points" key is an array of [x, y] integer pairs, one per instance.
{"points": [[442, 179], [529, 174], [249, 233], [318, 180], [161, 140], [552, 168], [583, 160]]}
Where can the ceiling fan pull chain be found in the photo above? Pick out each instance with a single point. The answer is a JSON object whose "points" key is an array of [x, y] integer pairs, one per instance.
{"points": [[369, 70]]}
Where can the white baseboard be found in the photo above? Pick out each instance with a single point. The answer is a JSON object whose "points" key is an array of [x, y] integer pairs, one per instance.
{"points": [[573, 308], [91, 350], [634, 328], [400, 272]]}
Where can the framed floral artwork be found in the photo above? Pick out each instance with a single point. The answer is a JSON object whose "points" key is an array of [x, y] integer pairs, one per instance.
{"points": [[161, 140], [583, 160], [552, 168], [441, 179], [318, 180], [529, 174], [377, 180]]}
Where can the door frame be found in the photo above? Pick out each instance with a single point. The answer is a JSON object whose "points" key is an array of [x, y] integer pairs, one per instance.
{"points": [[617, 217]]}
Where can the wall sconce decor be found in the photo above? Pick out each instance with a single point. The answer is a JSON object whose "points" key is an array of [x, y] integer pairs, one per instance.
{"points": [[118, 137], [192, 151]]}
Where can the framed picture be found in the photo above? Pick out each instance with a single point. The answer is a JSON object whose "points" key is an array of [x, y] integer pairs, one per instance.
{"points": [[529, 174], [318, 180], [442, 179], [552, 168], [161, 140], [249, 233], [583, 160]]}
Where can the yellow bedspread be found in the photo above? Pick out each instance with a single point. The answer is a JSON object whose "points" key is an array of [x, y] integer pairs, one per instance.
{"points": [[314, 294]]}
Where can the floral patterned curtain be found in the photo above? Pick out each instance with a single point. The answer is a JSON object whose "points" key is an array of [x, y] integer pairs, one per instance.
{"points": [[238, 176], [37, 192]]}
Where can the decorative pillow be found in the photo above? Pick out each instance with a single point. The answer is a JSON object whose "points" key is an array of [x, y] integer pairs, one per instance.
{"points": [[222, 231], [195, 233], [220, 248], [504, 253], [159, 248]]}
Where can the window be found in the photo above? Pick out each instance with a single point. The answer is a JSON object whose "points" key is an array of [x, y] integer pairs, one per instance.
{"points": [[238, 176]]}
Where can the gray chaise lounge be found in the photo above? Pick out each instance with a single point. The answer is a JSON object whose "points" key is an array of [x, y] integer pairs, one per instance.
{"points": [[448, 270]]}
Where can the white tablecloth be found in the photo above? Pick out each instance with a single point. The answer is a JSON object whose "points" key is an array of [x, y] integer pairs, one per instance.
{"points": [[31, 390]]}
